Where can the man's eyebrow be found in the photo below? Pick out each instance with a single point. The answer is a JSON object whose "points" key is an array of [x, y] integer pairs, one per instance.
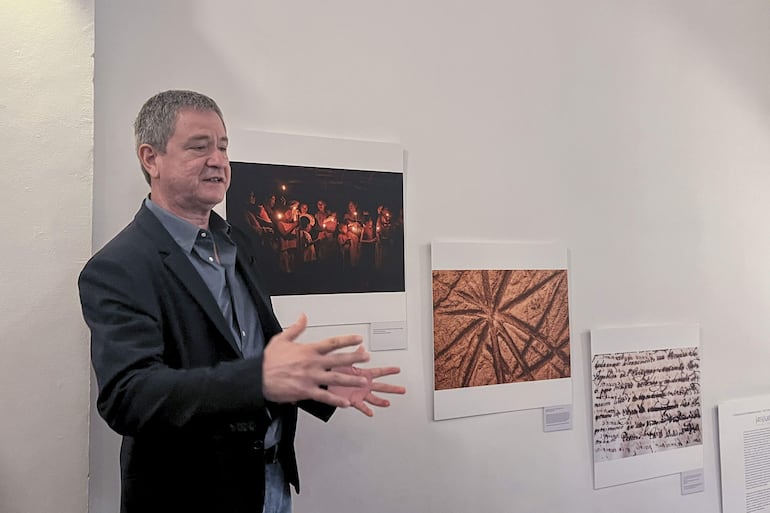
{"points": [[203, 137]]}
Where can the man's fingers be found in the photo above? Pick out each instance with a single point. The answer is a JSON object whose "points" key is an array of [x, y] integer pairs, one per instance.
{"points": [[333, 378], [296, 329], [332, 360], [378, 372], [323, 396], [363, 408], [376, 401], [387, 388], [332, 344]]}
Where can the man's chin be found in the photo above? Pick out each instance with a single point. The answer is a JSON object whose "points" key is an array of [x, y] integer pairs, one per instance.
{"points": [[216, 194], [213, 200]]}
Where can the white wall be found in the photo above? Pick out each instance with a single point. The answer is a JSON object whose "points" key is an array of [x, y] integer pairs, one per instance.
{"points": [[638, 133], [46, 125]]}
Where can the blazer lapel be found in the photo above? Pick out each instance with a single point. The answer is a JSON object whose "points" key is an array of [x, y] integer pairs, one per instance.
{"points": [[179, 265]]}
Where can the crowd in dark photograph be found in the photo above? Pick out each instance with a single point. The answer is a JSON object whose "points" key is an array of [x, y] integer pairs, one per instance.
{"points": [[321, 230]]}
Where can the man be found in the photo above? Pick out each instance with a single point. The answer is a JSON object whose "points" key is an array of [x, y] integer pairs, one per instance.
{"points": [[192, 366]]}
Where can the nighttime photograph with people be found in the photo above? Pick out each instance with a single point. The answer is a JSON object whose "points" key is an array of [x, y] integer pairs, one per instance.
{"points": [[321, 230]]}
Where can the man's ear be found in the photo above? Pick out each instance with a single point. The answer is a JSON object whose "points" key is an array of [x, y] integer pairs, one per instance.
{"points": [[148, 157]]}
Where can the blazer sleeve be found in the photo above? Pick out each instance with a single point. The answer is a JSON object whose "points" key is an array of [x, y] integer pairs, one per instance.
{"points": [[138, 391]]}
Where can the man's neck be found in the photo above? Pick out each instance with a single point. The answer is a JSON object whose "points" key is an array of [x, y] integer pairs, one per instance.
{"points": [[199, 219]]}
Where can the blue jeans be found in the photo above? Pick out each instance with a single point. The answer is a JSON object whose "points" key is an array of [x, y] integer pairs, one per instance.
{"points": [[277, 494]]}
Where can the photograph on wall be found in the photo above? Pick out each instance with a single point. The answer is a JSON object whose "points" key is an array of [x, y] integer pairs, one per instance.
{"points": [[501, 332], [744, 454], [492, 327], [646, 402], [321, 230], [326, 222]]}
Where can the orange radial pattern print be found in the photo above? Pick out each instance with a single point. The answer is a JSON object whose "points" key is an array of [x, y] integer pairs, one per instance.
{"points": [[494, 327]]}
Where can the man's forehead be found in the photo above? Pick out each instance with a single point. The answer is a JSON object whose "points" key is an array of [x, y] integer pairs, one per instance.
{"points": [[197, 120]]}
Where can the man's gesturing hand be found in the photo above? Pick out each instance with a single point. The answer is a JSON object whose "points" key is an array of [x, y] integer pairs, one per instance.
{"points": [[359, 396], [293, 372]]}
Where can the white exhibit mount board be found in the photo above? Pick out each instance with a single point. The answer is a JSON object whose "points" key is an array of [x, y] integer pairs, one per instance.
{"points": [[744, 453], [350, 166], [646, 402], [501, 327]]}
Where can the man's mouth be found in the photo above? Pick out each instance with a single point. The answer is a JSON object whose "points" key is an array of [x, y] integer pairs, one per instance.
{"points": [[215, 179]]}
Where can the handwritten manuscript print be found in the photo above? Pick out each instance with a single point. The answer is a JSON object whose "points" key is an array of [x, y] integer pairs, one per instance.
{"points": [[645, 402]]}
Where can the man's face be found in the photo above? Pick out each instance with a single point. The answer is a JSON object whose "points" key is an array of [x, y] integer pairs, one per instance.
{"points": [[193, 174]]}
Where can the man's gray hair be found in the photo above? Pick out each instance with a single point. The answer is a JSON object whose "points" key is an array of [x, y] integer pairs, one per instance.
{"points": [[156, 120]]}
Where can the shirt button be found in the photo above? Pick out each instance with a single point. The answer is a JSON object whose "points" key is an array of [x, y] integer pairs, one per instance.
{"points": [[211, 259], [243, 333], [203, 234]]}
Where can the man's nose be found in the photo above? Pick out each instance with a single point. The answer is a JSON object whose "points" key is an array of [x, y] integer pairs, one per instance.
{"points": [[218, 159]]}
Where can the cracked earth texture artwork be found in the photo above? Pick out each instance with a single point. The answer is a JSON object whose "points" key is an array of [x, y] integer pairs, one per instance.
{"points": [[499, 326]]}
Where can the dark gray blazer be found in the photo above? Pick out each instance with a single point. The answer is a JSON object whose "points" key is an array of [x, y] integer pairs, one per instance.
{"points": [[172, 380]]}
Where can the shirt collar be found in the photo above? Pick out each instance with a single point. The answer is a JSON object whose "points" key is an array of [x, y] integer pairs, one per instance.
{"points": [[184, 232]]}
